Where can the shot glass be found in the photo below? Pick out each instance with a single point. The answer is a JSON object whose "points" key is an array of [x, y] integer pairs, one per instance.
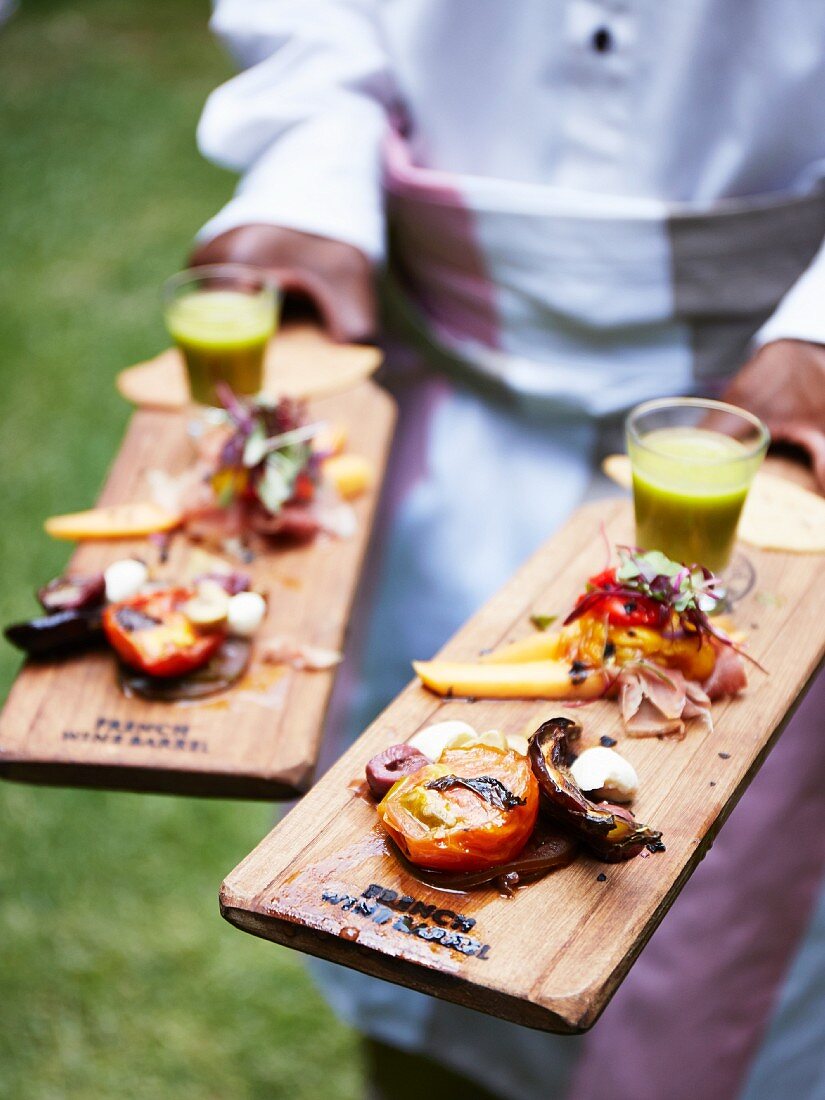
{"points": [[693, 463], [221, 317]]}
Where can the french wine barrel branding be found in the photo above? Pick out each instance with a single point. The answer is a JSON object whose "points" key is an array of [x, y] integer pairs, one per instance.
{"points": [[127, 733], [410, 916]]}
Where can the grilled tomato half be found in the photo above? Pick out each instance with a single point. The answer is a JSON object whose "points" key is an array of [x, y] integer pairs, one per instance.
{"points": [[474, 809]]}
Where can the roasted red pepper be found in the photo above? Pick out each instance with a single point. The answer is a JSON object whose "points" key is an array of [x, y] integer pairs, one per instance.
{"points": [[303, 491], [151, 633], [622, 606]]}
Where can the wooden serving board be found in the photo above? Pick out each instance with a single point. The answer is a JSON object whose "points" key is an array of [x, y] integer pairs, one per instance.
{"points": [[69, 723], [325, 881], [301, 361]]}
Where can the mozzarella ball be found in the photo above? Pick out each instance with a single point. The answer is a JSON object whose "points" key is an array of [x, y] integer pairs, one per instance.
{"points": [[124, 579], [463, 740], [245, 613], [432, 740], [603, 773], [518, 743]]}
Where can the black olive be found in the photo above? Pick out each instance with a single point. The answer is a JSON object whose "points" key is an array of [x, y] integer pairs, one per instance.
{"points": [[72, 592], [392, 764]]}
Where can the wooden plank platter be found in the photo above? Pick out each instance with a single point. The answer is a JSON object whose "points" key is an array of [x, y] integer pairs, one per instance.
{"points": [[326, 882], [301, 360], [68, 722]]}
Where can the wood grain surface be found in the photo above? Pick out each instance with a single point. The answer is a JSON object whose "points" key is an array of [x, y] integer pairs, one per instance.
{"points": [[326, 881], [68, 722]]}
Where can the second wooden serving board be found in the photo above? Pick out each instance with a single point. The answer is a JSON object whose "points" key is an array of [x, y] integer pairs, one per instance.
{"points": [[67, 722], [326, 881]]}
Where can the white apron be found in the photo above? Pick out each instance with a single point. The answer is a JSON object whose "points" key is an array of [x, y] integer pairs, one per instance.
{"points": [[554, 326]]}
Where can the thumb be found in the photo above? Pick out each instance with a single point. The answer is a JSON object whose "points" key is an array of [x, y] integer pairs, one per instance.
{"points": [[347, 307], [809, 438]]}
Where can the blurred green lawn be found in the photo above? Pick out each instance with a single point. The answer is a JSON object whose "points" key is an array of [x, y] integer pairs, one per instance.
{"points": [[117, 976]]}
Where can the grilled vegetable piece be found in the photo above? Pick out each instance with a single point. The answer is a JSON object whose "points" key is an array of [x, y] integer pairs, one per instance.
{"points": [[589, 640], [547, 849], [152, 634], [57, 634], [220, 672], [611, 832], [385, 769], [474, 809], [519, 680], [73, 591]]}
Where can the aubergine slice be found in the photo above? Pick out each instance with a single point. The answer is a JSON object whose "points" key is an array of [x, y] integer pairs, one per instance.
{"points": [[59, 634], [610, 832], [548, 849], [219, 673]]}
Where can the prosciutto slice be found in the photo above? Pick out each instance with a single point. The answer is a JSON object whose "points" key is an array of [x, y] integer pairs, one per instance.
{"points": [[729, 676], [280, 650], [658, 702]]}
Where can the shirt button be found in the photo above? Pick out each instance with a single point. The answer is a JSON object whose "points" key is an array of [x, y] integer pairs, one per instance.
{"points": [[602, 40]]}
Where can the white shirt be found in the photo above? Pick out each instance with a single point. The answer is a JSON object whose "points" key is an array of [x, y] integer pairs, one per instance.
{"points": [[606, 109]]}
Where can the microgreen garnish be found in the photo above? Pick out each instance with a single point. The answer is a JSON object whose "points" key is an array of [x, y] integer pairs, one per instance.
{"points": [[684, 589], [267, 451], [689, 592], [686, 593], [542, 622]]}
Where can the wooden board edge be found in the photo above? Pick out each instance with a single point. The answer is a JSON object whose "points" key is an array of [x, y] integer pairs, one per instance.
{"points": [[449, 987], [291, 783], [129, 380], [150, 780], [573, 1014], [599, 994]]}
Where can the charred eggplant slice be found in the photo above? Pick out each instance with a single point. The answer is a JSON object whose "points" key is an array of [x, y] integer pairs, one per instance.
{"points": [[223, 670], [58, 634], [547, 850], [611, 832]]}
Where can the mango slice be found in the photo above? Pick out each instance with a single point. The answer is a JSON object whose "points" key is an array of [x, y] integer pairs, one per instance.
{"points": [[350, 474], [525, 680], [119, 521], [535, 647]]}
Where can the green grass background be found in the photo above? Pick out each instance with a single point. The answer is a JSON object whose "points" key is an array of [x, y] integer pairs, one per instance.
{"points": [[118, 978]]}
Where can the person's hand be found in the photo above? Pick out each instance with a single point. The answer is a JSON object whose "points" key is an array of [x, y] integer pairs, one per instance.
{"points": [[334, 277], [784, 384]]}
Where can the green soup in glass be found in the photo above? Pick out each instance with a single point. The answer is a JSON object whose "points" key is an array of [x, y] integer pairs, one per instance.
{"points": [[221, 318], [693, 463]]}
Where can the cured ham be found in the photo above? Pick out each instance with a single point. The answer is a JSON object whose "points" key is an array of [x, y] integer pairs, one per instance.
{"points": [[658, 702], [729, 675]]}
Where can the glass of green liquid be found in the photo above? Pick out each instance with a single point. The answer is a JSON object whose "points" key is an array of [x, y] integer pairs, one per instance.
{"points": [[693, 463], [221, 317]]}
